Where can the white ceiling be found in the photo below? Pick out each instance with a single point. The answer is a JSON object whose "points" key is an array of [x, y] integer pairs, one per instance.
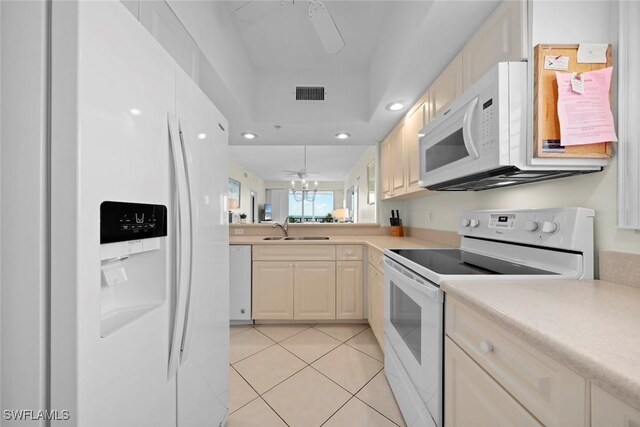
{"points": [[393, 51], [324, 162]]}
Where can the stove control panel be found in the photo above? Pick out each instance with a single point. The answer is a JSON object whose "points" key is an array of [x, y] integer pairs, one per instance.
{"points": [[564, 228], [502, 221]]}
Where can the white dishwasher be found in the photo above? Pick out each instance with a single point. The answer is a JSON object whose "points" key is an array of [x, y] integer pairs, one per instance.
{"points": [[240, 283]]}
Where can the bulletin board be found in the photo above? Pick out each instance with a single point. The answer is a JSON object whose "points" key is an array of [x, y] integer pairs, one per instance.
{"points": [[546, 126]]}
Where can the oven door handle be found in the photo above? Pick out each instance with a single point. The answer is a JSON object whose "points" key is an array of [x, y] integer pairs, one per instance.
{"points": [[409, 279]]}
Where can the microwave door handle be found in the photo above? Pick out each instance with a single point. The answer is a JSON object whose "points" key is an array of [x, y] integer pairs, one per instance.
{"points": [[467, 133]]}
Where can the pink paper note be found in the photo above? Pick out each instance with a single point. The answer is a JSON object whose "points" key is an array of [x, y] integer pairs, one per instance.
{"points": [[585, 118]]}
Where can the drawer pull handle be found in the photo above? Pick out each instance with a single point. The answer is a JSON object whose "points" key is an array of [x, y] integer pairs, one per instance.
{"points": [[485, 347]]}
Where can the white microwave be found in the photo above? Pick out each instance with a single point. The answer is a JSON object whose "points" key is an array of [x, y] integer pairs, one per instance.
{"points": [[481, 140]]}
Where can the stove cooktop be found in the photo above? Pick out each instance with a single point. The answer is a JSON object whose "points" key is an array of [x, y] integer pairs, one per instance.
{"points": [[460, 262]]}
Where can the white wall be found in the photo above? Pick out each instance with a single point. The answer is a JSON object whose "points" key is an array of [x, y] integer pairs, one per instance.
{"points": [[553, 22], [366, 212], [248, 181]]}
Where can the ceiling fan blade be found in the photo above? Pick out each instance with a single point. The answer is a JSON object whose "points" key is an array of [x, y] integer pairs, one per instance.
{"points": [[255, 10], [325, 27]]}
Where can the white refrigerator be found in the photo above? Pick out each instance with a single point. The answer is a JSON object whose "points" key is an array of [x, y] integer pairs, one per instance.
{"points": [[133, 306]]}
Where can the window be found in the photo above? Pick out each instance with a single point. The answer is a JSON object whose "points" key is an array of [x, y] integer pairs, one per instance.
{"points": [[311, 211]]}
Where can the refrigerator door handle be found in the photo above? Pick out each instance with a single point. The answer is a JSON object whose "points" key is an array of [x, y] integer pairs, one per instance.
{"points": [[186, 334], [183, 244]]}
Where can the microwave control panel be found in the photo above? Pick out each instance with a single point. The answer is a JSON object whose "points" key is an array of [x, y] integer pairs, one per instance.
{"points": [[122, 221], [488, 104]]}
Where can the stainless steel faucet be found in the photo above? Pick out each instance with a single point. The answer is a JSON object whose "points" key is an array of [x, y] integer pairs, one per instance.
{"points": [[284, 226]]}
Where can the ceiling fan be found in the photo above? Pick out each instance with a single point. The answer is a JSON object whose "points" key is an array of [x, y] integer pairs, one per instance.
{"points": [[322, 21], [301, 174]]}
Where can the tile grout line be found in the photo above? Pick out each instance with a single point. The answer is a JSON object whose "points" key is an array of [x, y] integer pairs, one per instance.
{"points": [[337, 339], [278, 342], [271, 388], [273, 409], [253, 354], [249, 384], [390, 420]]}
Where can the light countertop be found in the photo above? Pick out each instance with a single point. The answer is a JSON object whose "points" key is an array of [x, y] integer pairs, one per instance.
{"points": [[590, 326], [377, 242]]}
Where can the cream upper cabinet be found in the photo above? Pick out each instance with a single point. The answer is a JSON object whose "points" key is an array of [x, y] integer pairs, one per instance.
{"points": [[447, 87], [385, 167], [608, 411], [392, 164], [473, 398], [398, 182], [349, 290], [502, 37], [414, 122], [272, 290], [314, 290]]}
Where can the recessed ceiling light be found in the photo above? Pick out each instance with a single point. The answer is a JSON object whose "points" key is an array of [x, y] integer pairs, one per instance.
{"points": [[249, 135], [395, 106], [343, 135], [135, 112], [202, 135]]}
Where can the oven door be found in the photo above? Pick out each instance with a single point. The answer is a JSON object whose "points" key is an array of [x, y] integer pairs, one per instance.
{"points": [[413, 325]]}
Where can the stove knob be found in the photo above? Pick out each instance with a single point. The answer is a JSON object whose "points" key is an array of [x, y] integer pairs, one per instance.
{"points": [[549, 227], [531, 226], [474, 223], [465, 222]]}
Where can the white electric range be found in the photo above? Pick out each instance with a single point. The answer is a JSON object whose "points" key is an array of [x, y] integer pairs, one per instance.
{"points": [[495, 245]]}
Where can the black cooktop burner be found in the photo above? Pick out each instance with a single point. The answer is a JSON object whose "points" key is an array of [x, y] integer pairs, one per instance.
{"points": [[459, 262]]}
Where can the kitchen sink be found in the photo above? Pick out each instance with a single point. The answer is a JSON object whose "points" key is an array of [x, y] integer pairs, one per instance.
{"points": [[307, 238], [273, 238]]}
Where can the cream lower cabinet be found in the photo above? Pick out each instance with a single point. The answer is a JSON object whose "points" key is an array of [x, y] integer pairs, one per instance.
{"points": [[314, 290], [552, 393], [349, 290], [272, 290], [307, 282], [375, 290], [608, 411], [473, 398]]}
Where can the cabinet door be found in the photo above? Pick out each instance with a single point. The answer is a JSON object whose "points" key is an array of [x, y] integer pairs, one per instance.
{"points": [[272, 290], [608, 411], [502, 37], [375, 289], [398, 183], [371, 295], [412, 126], [447, 87], [314, 290], [473, 398], [385, 167], [349, 290]]}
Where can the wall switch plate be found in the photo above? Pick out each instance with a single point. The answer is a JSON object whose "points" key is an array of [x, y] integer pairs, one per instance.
{"points": [[238, 231]]}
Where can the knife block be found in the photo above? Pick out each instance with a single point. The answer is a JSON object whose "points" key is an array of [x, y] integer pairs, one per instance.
{"points": [[397, 231]]}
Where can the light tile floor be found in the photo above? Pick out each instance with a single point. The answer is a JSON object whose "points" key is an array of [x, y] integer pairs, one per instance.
{"points": [[309, 376]]}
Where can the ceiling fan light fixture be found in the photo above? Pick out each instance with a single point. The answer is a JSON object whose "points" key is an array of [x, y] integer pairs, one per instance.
{"points": [[249, 135], [395, 106], [343, 135]]}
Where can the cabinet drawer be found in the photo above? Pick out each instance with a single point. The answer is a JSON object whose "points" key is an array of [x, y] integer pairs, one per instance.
{"points": [[554, 394], [375, 258], [473, 398], [294, 252], [349, 252], [608, 411]]}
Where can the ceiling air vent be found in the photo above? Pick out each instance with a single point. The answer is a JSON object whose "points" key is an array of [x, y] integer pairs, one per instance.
{"points": [[309, 93]]}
